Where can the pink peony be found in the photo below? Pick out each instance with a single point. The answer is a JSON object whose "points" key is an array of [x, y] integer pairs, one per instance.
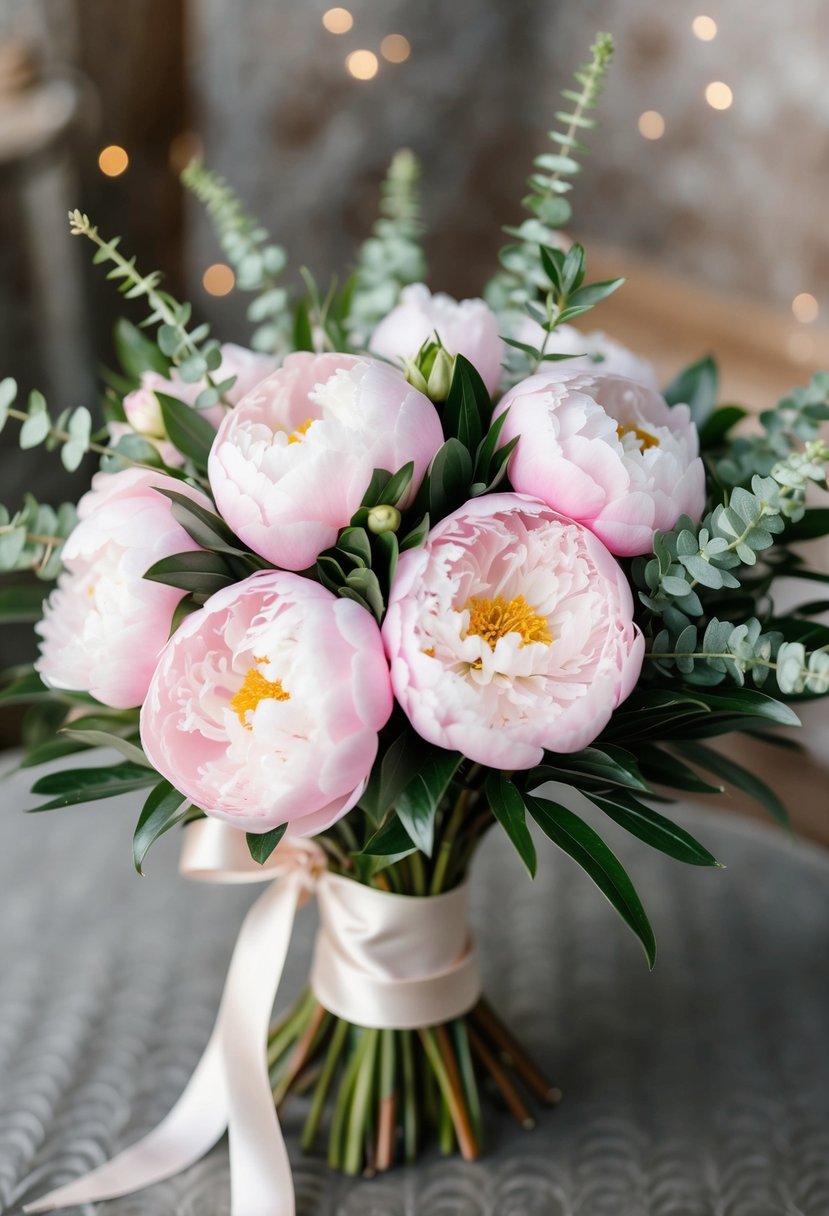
{"points": [[510, 632], [266, 704], [105, 625], [465, 327], [144, 412], [594, 351], [609, 453], [291, 463]]}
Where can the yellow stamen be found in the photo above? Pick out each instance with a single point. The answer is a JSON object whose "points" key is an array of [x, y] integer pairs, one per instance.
{"points": [[643, 438], [297, 435], [494, 619], [254, 689]]}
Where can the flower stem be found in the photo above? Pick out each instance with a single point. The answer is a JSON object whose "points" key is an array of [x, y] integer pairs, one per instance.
{"points": [[513, 1053], [445, 1072], [510, 1094], [341, 1106], [308, 1039], [410, 1106], [384, 1156], [360, 1102], [332, 1059]]}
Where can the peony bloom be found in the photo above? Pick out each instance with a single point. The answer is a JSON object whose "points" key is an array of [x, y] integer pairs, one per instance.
{"points": [[291, 463], [465, 327], [609, 453], [595, 351], [144, 412], [266, 704], [105, 625], [510, 632]]}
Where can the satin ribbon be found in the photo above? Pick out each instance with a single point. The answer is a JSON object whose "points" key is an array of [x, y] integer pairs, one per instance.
{"points": [[380, 960]]}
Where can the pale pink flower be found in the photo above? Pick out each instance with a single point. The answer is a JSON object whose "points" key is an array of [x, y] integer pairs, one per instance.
{"points": [[465, 327], [266, 704], [290, 465], [594, 351], [606, 451], [510, 632], [144, 412], [105, 625]]}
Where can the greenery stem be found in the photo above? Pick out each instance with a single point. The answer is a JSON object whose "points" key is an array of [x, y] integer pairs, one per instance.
{"points": [[360, 1102], [332, 1059]]}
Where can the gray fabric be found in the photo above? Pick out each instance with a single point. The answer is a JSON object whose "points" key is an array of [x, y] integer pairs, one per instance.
{"points": [[698, 1091]]}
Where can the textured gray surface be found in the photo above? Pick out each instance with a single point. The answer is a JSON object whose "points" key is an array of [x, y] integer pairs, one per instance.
{"points": [[702, 1090]]}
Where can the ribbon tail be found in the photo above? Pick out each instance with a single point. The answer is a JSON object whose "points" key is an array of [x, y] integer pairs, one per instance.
{"points": [[221, 1092]]}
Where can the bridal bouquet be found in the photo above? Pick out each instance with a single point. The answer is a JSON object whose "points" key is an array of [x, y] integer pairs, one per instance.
{"points": [[410, 570]]}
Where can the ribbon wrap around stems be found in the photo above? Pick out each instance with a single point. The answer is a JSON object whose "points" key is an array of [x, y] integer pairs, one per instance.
{"points": [[380, 960]]}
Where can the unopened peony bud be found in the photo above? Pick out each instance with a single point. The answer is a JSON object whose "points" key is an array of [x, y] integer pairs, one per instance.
{"points": [[440, 377], [383, 519], [415, 376]]}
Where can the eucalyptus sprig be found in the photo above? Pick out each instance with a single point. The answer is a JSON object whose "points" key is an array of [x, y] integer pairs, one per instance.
{"points": [[257, 260], [31, 539], [392, 257], [192, 351]]}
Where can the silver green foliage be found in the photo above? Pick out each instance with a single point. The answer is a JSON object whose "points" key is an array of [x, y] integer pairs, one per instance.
{"points": [[392, 257], [71, 432], [196, 355], [795, 421], [32, 538], [523, 277], [256, 260]]}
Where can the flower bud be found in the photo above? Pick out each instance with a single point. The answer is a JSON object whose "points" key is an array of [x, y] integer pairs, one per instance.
{"points": [[384, 518], [415, 376], [440, 376]]}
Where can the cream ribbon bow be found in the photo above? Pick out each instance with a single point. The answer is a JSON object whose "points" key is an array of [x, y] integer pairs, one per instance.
{"points": [[388, 961]]}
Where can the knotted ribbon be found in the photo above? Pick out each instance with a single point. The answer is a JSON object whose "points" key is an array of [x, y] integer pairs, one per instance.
{"points": [[380, 960]]}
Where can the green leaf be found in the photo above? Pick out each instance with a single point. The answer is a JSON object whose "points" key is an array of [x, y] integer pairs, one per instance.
{"points": [[728, 770], [450, 475], [74, 786], [262, 845], [667, 769], [205, 527], [102, 738], [390, 840], [606, 765], [303, 334], [590, 295], [164, 808], [418, 803], [588, 850], [8, 393], [695, 387], [657, 831], [507, 806], [392, 772], [136, 353], [468, 407], [187, 429], [197, 570], [719, 423], [28, 687]]}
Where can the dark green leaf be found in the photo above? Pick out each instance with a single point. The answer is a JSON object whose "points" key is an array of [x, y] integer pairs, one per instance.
{"points": [[392, 772], [590, 295], [719, 423], [507, 806], [74, 786], [27, 688], [606, 765], [164, 807], [391, 840], [586, 847], [667, 769], [468, 407], [188, 430], [303, 333], [136, 352], [22, 604], [450, 476], [657, 831], [206, 528], [103, 738], [262, 845], [728, 770], [197, 570], [376, 488], [695, 387], [418, 803]]}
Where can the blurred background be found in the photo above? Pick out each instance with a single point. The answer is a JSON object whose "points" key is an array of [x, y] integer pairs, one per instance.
{"points": [[707, 184]]}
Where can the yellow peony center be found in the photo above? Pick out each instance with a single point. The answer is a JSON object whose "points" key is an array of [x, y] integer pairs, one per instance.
{"points": [[297, 435], [643, 439], [494, 619], [256, 688]]}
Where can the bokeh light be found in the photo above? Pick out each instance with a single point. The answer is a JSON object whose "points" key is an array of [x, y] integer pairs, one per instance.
{"points": [[718, 95], [362, 65], [805, 308], [218, 279], [113, 160], [337, 20], [651, 124], [705, 28], [395, 48]]}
